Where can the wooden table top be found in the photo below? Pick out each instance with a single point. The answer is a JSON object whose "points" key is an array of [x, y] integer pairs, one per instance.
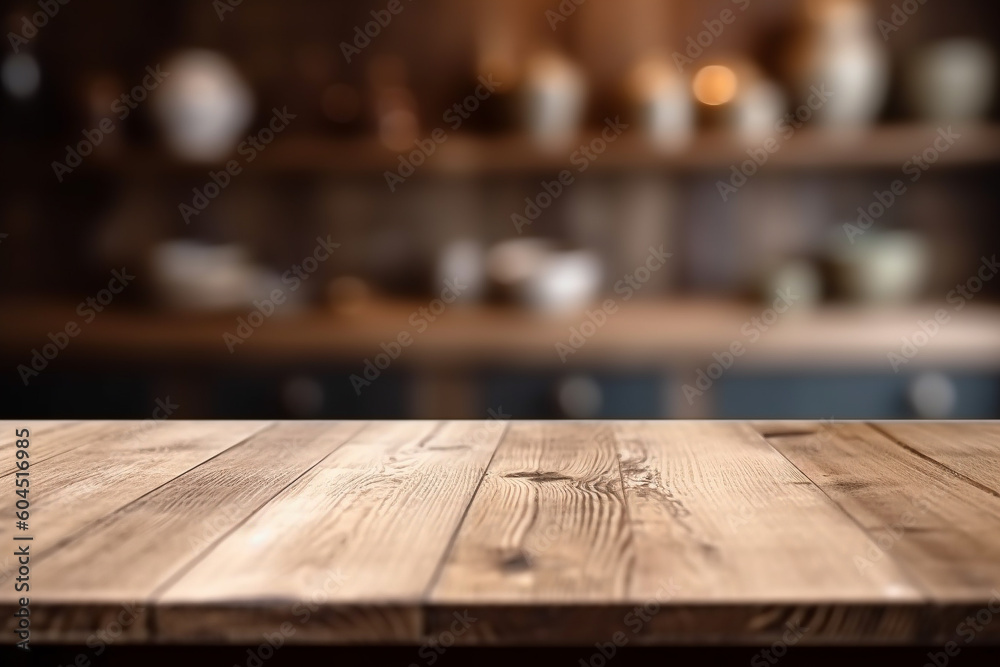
{"points": [[507, 533]]}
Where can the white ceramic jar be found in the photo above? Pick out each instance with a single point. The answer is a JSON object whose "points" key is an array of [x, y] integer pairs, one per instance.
{"points": [[840, 50], [951, 81]]}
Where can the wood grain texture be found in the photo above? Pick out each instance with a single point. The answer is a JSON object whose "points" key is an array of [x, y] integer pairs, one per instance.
{"points": [[546, 535], [71, 491], [35, 426], [50, 439], [719, 517], [971, 449], [547, 525], [943, 530], [347, 552], [532, 533], [133, 551], [713, 527]]}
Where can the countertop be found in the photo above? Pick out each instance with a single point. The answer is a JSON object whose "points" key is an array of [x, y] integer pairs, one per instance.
{"points": [[519, 533]]}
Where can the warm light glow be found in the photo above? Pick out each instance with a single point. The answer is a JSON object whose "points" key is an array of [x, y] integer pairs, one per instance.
{"points": [[715, 85]]}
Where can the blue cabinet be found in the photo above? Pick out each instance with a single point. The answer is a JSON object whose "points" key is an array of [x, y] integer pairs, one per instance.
{"points": [[845, 396]]}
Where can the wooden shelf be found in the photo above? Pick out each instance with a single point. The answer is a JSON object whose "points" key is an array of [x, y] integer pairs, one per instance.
{"points": [[887, 146], [663, 334]]}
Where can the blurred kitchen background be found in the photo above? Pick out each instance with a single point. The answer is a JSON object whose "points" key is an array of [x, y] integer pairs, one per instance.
{"points": [[504, 165]]}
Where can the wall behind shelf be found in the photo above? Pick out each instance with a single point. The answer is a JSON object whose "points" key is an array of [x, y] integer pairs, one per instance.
{"points": [[327, 178]]}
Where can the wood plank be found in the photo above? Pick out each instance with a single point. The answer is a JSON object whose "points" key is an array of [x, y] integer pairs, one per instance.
{"points": [[969, 448], [51, 438], [346, 553], [943, 530], [547, 525], [71, 491], [37, 427], [135, 550], [8, 428], [47, 438], [547, 531], [715, 530], [728, 521]]}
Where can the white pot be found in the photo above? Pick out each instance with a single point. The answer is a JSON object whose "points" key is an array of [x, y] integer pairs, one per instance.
{"points": [[885, 268], [204, 106], [759, 108], [842, 52], [554, 97], [565, 282], [663, 99], [952, 81], [539, 275]]}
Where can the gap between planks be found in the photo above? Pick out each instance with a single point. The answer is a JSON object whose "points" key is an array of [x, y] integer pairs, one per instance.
{"points": [[947, 553], [458, 526], [50, 550], [388, 468], [152, 618], [911, 576], [948, 469]]}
